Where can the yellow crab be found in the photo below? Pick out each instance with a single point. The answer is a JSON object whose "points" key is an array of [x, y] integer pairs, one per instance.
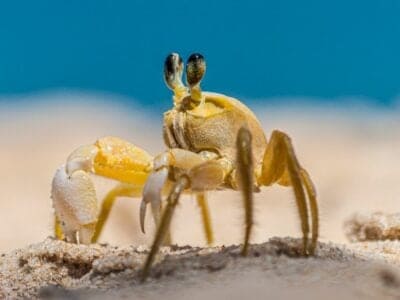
{"points": [[214, 142]]}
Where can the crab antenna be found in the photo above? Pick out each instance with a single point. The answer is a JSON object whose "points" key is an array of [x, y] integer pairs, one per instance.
{"points": [[195, 70], [173, 70]]}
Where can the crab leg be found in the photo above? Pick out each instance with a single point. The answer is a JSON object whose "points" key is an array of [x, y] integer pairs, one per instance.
{"points": [[312, 196], [177, 158], [281, 165], [202, 203], [121, 190], [206, 176], [181, 184], [245, 179]]}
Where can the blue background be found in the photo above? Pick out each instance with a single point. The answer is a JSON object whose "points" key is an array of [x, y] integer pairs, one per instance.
{"points": [[254, 49]]}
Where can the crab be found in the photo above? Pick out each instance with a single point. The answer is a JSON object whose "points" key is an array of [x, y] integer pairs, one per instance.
{"points": [[214, 142]]}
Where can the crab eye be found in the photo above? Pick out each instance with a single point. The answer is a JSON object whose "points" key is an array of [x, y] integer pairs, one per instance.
{"points": [[195, 69], [173, 68]]}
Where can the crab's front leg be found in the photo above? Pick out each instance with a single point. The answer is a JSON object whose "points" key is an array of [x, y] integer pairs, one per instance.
{"points": [[197, 173], [73, 192], [171, 164], [162, 165]]}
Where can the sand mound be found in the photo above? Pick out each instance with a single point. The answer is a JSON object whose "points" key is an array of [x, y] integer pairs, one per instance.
{"points": [[54, 269]]}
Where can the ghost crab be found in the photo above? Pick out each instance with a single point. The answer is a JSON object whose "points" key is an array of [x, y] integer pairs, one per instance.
{"points": [[214, 142]]}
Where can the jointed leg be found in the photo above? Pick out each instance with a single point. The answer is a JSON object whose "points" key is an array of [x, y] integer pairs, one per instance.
{"points": [[121, 190], [183, 160], [312, 196], [295, 180], [205, 213], [202, 177], [280, 165], [245, 179], [181, 184]]}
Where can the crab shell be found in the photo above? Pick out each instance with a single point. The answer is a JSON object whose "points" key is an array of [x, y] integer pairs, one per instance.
{"points": [[212, 126]]}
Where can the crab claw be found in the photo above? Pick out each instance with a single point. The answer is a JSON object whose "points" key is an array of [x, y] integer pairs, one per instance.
{"points": [[75, 204], [152, 194]]}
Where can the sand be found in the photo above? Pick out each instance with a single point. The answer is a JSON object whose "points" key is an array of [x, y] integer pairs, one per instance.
{"points": [[55, 269], [352, 156]]}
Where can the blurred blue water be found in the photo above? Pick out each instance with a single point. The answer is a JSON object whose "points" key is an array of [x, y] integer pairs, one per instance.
{"points": [[254, 49]]}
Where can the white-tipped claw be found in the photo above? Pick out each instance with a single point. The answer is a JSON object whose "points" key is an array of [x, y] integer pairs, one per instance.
{"points": [[152, 194], [75, 204]]}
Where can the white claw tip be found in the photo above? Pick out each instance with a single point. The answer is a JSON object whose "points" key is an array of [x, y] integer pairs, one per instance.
{"points": [[152, 194]]}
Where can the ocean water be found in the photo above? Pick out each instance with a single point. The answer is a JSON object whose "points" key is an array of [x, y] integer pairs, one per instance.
{"points": [[254, 49]]}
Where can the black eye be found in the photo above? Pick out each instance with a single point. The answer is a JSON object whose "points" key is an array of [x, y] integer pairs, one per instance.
{"points": [[173, 68], [195, 57], [195, 68], [169, 64]]}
